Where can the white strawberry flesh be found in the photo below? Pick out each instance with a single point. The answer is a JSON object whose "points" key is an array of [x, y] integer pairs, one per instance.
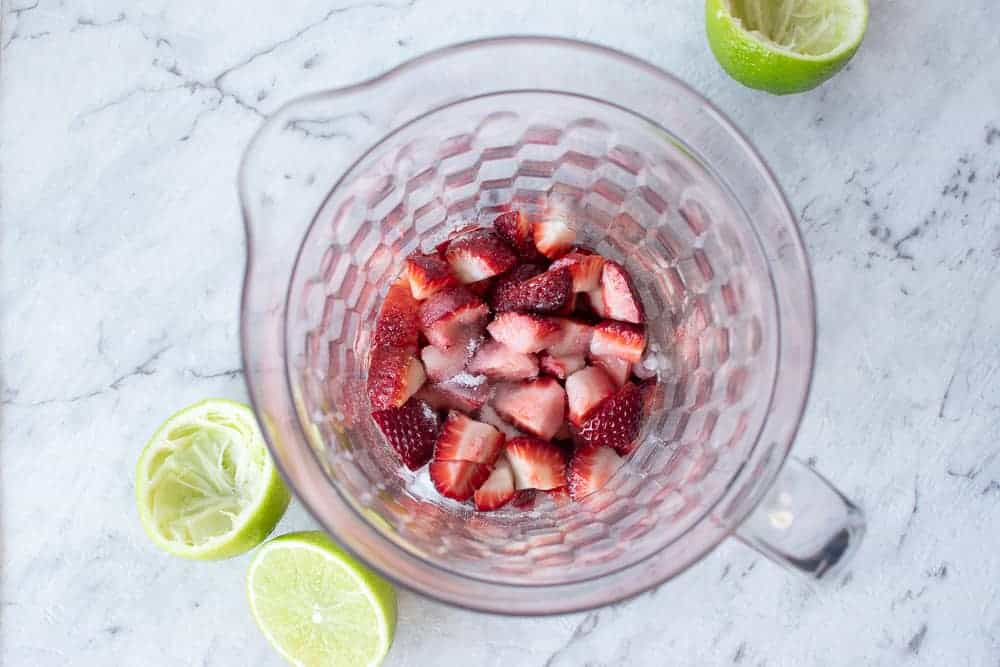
{"points": [[496, 360], [479, 255], [465, 439], [573, 338], [590, 469], [553, 237], [525, 333], [498, 488], [584, 269], [619, 339], [537, 406], [561, 366], [443, 364], [621, 301], [585, 389], [453, 316], [536, 464]]}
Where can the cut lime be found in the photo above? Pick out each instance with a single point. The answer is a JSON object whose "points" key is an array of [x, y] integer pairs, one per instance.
{"points": [[317, 605], [784, 46], [205, 484]]}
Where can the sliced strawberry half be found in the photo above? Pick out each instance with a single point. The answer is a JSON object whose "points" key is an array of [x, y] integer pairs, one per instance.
{"points": [[585, 269], [585, 389], [398, 322], [453, 316], [428, 274], [458, 479], [490, 416], [548, 292], [561, 366], [393, 376], [507, 284], [574, 338], [496, 360], [621, 301], [465, 439], [515, 228], [524, 332], [596, 300], [537, 406], [444, 364], [619, 339], [462, 392], [536, 464], [553, 237], [498, 488], [479, 255], [615, 422], [590, 469], [617, 369], [411, 430]]}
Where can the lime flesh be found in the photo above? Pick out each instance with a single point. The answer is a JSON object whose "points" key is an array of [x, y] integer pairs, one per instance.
{"points": [[206, 487], [784, 46], [318, 606]]}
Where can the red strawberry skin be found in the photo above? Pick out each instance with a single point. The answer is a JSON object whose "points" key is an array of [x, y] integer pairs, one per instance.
{"points": [[615, 422], [458, 480], [465, 439], [411, 431], [507, 283], [619, 339], [428, 274], [621, 301], [479, 255], [515, 228], [590, 469], [398, 322], [536, 464], [452, 316], [618, 369], [393, 376], [548, 292]]}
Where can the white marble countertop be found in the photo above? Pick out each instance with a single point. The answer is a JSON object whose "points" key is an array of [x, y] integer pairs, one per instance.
{"points": [[122, 253]]}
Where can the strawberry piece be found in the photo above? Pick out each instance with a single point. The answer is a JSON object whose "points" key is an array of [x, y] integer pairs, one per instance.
{"points": [[515, 228], [570, 307], [548, 292], [619, 339], [617, 369], [481, 288], [536, 464], [554, 237], [574, 338], [453, 316], [479, 255], [621, 301], [398, 323], [441, 365], [534, 406], [561, 366], [393, 376], [590, 469], [596, 301], [458, 479], [411, 431], [615, 422], [496, 360], [507, 283], [488, 415], [498, 489], [465, 439], [462, 392], [585, 390], [585, 269], [523, 332], [428, 274]]}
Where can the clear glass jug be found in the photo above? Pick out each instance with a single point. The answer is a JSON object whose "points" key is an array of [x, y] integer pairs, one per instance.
{"points": [[338, 187]]}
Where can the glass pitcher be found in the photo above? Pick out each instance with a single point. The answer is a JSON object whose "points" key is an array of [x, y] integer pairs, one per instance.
{"points": [[337, 188]]}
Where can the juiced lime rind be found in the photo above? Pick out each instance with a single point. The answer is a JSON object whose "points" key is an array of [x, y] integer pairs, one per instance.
{"points": [[234, 524], [316, 605], [756, 60]]}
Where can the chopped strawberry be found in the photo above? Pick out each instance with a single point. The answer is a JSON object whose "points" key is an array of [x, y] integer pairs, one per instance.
{"points": [[462, 392], [584, 269], [574, 338], [621, 301], [585, 389], [393, 376], [428, 274], [619, 339], [515, 228], [553, 237], [398, 323], [548, 292], [617, 369], [453, 316], [523, 332], [596, 300], [496, 360], [481, 288], [490, 416], [478, 255], [590, 469], [498, 488], [534, 406], [561, 367], [411, 431], [615, 422], [536, 464], [444, 364], [465, 439], [507, 284], [458, 479]]}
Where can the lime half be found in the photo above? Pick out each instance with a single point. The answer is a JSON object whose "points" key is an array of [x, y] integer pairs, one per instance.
{"points": [[205, 484], [784, 46], [317, 605]]}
